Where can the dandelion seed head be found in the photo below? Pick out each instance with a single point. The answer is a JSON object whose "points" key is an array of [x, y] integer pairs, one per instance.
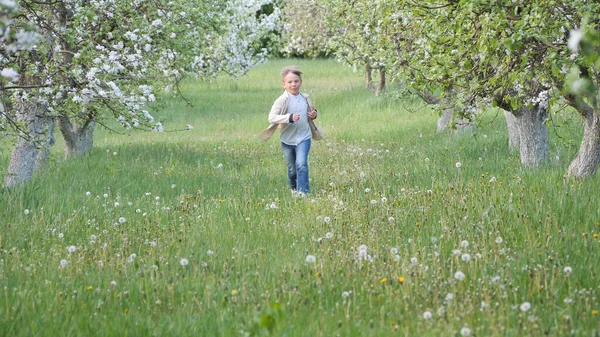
{"points": [[184, 262], [525, 306], [459, 275], [311, 259]]}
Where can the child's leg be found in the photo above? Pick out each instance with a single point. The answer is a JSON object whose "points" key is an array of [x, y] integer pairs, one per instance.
{"points": [[289, 153], [302, 166]]}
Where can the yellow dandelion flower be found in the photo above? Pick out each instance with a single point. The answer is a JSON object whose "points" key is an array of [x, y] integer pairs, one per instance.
{"points": [[596, 235], [383, 280], [89, 288], [234, 292], [401, 279], [594, 312], [585, 234]]}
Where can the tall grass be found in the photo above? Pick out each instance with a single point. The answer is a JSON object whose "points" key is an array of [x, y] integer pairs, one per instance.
{"points": [[195, 232]]}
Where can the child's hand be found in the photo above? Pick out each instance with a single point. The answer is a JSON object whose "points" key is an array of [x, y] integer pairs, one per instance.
{"points": [[312, 113], [295, 117]]}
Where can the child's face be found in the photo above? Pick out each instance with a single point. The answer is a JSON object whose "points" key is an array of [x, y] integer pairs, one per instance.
{"points": [[292, 83]]}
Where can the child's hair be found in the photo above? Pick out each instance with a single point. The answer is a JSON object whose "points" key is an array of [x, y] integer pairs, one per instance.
{"points": [[291, 69]]}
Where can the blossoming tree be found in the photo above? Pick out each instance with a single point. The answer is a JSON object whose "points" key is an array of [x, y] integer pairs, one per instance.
{"points": [[106, 59]]}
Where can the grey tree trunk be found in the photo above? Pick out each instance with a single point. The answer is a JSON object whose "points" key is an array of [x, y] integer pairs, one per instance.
{"points": [[79, 139], [44, 153], [513, 131], [588, 158], [533, 135], [29, 148], [459, 124]]}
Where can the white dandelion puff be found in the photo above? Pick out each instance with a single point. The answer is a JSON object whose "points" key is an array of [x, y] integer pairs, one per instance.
{"points": [[459, 275], [311, 259]]}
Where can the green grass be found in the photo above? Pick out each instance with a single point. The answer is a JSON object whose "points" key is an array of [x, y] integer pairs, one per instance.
{"points": [[216, 196]]}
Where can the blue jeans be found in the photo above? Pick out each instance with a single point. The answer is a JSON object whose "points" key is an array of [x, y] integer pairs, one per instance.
{"points": [[296, 158]]}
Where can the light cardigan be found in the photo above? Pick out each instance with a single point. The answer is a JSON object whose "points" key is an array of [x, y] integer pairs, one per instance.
{"points": [[279, 118]]}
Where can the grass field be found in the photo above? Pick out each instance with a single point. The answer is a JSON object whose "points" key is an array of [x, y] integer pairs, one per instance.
{"points": [[195, 233]]}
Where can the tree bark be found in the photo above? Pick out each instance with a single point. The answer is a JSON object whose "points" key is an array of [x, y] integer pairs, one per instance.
{"points": [[533, 135], [381, 87], [459, 124], [79, 139], [588, 158], [29, 149], [513, 131], [369, 77]]}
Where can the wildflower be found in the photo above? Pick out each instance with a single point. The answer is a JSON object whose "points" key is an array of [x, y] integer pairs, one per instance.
{"points": [[456, 252], [234, 292], [327, 219], [329, 235], [113, 283], [26, 212], [499, 240], [568, 300], [63, 263], [394, 250], [373, 202], [220, 166], [105, 195], [131, 258], [413, 260], [367, 190], [466, 257], [384, 199], [525, 306], [61, 235], [209, 252], [311, 259], [173, 185], [464, 244], [71, 249], [594, 312], [427, 315], [383, 280], [465, 332], [449, 296], [458, 164], [391, 219], [88, 193], [568, 270], [459, 275], [345, 294], [184, 262], [89, 288], [122, 220], [401, 279]]}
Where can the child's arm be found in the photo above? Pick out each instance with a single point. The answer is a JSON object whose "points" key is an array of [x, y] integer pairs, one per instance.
{"points": [[278, 115]]}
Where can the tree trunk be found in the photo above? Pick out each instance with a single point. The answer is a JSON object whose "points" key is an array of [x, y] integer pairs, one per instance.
{"points": [[26, 152], [381, 86], [513, 131], [459, 124], [44, 153], [588, 158], [533, 135], [79, 139], [369, 76]]}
